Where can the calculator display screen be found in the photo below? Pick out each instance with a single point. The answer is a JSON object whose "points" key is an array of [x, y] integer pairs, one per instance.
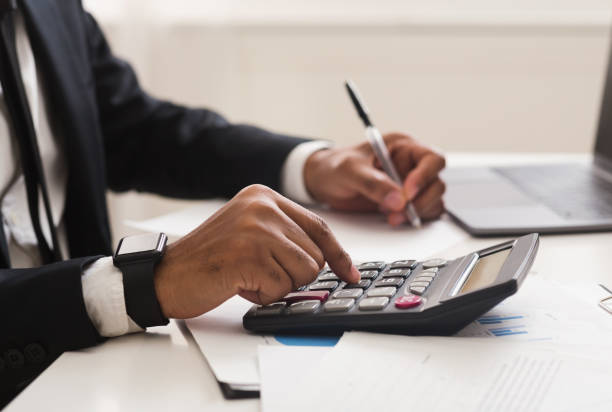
{"points": [[485, 271]]}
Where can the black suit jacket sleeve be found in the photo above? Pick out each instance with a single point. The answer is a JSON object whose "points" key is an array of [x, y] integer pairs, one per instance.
{"points": [[43, 314], [157, 146]]}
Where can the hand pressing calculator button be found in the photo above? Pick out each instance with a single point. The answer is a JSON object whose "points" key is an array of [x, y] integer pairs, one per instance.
{"points": [[373, 303], [330, 285], [436, 297], [338, 305]]}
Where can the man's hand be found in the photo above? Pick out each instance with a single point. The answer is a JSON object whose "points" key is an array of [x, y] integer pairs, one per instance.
{"points": [[260, 245], [351, 179]]}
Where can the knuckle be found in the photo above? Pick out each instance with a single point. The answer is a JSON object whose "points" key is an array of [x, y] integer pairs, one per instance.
{"points": [[321, 225], [256, 189], [346, 164]]}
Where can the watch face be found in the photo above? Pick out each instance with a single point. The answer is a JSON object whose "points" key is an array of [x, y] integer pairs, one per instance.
{"points": [[141, 244]]}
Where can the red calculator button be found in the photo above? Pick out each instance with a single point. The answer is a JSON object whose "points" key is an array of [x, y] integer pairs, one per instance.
{"points": [[408, 301], [308, 295]]}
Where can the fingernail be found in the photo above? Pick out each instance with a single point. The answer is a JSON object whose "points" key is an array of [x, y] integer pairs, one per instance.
{"points": [[396, 219], [356, 274], [394, 201]]}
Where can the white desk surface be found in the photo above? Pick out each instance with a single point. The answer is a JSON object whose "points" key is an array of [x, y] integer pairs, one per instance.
{"points": [[164, 370]]}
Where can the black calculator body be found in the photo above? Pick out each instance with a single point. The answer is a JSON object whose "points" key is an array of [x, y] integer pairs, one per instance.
{"points": [[433, 297]]}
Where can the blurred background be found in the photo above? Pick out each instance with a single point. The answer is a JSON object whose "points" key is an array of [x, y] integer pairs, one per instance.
{"points": [[474, 75]]}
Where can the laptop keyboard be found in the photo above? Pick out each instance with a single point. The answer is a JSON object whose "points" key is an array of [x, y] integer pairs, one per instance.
{"points": [[572, 191]]}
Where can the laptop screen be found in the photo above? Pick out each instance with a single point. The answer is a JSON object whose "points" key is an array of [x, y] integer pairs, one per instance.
{"points": [[603, 143]]}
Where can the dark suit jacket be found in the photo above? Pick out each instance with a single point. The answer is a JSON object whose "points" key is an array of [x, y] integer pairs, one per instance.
{"points": [[115, 136]]}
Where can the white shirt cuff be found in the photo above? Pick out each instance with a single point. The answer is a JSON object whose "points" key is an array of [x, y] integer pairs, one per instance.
{"points": [[104, 301], [292, 173]]}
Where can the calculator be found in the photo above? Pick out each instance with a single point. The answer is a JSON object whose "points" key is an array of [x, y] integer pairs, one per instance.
{"points": [[431, 297]]}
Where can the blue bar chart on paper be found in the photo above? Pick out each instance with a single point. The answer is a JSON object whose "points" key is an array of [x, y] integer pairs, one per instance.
{"points": [[504, 325]]}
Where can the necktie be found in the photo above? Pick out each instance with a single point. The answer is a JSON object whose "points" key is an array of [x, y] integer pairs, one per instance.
{"points": [[21, 119]]}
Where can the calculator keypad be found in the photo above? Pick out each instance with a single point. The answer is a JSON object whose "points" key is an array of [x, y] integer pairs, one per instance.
{"points": [[379, 286], [377, 303], [389, 282], [407, 264], [363, 284], [306, 306], [329, 285], [276, 308], [328, 276], [396, 273], [434, 263], [369, 274], [309, 295], [386, 291], [338, 305], [372, 266], [348, 293]]}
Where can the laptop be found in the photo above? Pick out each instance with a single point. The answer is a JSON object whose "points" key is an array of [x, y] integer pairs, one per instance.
{"points": [[545, 198]]}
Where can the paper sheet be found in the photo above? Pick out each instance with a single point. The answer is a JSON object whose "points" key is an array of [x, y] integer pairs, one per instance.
{"points": [[449, 374], [365, 236], [281, 366], [543, 310], [231, 351]]}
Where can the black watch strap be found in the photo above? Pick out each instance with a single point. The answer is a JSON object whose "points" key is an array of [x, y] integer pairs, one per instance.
{"points": [[140, 297]]}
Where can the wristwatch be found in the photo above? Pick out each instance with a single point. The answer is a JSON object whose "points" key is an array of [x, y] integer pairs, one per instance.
{"points": [[136, 257]]}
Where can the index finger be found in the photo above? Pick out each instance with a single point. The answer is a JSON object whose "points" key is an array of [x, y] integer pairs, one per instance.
{"points": [[317, 229]]}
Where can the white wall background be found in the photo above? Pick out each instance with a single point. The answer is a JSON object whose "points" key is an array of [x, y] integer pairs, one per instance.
{"points": [[473, 75]]}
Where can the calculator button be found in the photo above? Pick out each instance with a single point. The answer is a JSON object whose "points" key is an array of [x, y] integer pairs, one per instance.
{"points": [[409, 264], [373, 303], [389, 282], [371, 266], [329, 285], [328, 276], [396, 272], [417, 283], [276, 308], [430, 271], [434, 263], [408, 301], [363, 284], [417, 290], [348, 293], [310, 295], [338, 305], [307, 306], [386, 291], [368, 274], [423, 278]]}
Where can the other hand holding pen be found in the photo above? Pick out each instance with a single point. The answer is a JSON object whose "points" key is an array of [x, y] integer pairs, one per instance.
{"points": [[351, 179]]}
